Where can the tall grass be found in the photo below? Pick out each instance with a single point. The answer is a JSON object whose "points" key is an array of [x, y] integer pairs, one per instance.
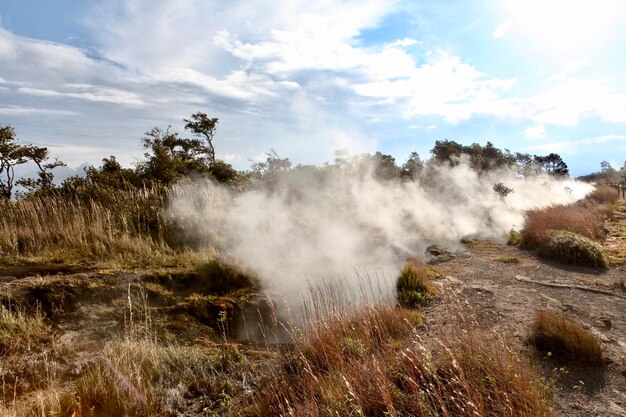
{"points": [[111, 224], [604, 194], [372, 362], [583, 218]]}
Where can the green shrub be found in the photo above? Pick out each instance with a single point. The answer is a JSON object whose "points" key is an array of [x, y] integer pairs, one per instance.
{"points": [[562, 337], [414, 287], [515, 238], [572, 248]]}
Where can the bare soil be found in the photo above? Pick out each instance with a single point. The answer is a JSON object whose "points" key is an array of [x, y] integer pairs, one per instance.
{"points": [[505, 295]]}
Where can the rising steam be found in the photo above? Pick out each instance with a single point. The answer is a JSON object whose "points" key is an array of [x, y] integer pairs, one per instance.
{"points": [[327, 223]]}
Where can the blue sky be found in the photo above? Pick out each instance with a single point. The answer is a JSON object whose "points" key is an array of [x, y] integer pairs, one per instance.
{"points": [[88, 78]]}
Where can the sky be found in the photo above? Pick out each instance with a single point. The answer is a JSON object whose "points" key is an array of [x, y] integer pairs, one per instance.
{"points": [[306, 79]]}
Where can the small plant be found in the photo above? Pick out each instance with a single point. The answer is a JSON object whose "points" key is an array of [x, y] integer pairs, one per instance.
{"points": [[559, 336], [502, 189], [515, 238], [571, 248], [414, 287]]}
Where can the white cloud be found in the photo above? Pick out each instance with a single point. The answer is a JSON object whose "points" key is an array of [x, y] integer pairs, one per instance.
{"points": [[87, 93], [445, 87], [19, 110], [534, 132], [502, 29], [574, 146], [569, 68]]}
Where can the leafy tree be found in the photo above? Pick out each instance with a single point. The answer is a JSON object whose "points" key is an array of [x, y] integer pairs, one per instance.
{"points": [[272, 167], [552, 164], [482, 158], [170, 157], [412, 167], [13, 154], [44, 181], [203, 126], [385, 167]]}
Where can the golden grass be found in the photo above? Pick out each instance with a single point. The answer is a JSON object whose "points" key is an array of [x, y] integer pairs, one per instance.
{"points": [[123, 225], [372, 362], [563, 338]]}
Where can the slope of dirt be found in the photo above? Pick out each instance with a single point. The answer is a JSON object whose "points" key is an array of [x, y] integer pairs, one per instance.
{"points": [[505, 285]]}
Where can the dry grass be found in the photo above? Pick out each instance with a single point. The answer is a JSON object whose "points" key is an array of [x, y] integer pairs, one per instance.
{"points": [[371, 362], [20, 332], [508, 260], [585, 218], [414, 287], [563, 338], [604, 194], [122, 225]]}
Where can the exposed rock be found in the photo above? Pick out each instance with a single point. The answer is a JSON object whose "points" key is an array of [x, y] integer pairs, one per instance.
{"points": [[437, 255]]}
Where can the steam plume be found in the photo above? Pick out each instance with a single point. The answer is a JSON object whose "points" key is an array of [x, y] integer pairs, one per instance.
{"points": [[325, 223]]}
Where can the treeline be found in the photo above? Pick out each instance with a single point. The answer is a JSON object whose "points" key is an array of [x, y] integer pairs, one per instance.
{"points": [[170, 157]]}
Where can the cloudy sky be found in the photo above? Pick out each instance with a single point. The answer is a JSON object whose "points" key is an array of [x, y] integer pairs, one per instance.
{"points": [[88, 78]]}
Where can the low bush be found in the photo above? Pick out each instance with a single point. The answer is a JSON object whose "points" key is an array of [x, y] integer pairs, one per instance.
{"points": [[571, 248], [414, 287], [563, 338]]}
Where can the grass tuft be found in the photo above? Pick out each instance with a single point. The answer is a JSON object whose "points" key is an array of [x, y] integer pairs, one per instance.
{"points": [[414, 287], [563, 338]]}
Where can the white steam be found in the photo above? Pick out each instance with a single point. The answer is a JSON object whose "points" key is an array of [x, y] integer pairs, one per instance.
{"points": [[329, 222]]}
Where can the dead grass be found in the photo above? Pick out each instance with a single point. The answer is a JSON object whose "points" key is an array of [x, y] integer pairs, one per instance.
{"points": [[20, 332], [584, 218], [604, 194], [413, 286], [563, 338], [372, 362]]}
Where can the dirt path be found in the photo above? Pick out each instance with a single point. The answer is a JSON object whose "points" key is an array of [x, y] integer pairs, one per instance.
{"points": [[505, 295]]}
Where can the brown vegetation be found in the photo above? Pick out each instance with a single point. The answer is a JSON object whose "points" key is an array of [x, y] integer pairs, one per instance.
{"points": [[371, 362], [584, 218], [563, 338], [604, 194]]}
